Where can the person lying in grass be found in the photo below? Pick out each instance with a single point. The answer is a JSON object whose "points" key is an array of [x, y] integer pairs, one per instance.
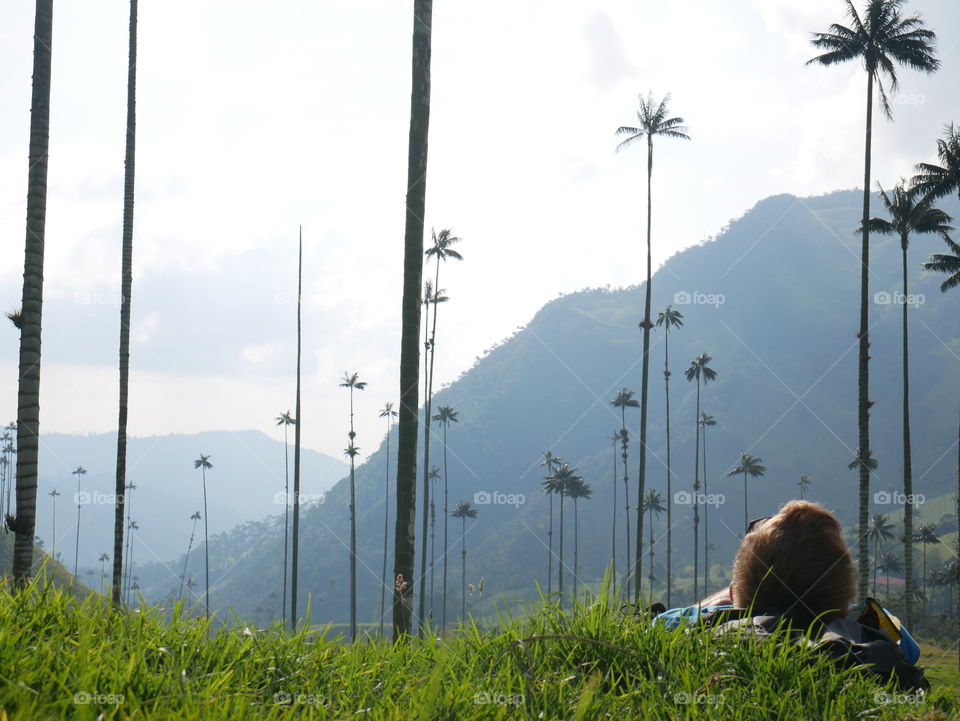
{"points": [[793, 572]]}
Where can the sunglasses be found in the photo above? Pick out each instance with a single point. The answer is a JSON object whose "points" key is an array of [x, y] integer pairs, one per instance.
{"points": [[756, 522]]}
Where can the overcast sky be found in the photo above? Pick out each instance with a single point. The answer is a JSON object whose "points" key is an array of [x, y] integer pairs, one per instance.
{"points": [[255, 118]]}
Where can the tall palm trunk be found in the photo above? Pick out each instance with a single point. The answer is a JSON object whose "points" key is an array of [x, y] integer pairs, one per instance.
{"points": [[613, 521], [560, 565], [644, 386], [696, 503], [666, 383], [650, 567], [125, 291], [706, 512], [206, 542], [386, 526], [863, 370], [463, 556], [446, 516], [550, 549], [295, 526], [428, 355], [876, 552], [410, 330], [576, 546], [286, 521], [76, 548], [626, 491], [353, 533], [907, 462], [28, 392], [186, 558]]}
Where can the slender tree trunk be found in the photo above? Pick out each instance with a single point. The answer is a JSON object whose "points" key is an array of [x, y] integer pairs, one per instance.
{"points": [[186, 558], [666, 382], [386, 528], [410, 332], [613, 523], [550, 548], [286, 520], [446, 516], [650, 567], [696, 504], [644, 387], [125, 291], [463, 555], [560, 565], [353, 551], [76, 550], [876, 551], [907, 461], [706, 518], [206, 541], [626, 491], [863, 368], [428, 355], [746, 516], [295, 526], [433, 546], [576, 546], [28, 393]]}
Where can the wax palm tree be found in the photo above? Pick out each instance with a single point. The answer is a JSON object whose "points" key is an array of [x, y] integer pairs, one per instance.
{"points": [[295, 523], [654, 120], [804, 483], [946, 263], [889, 563], [183, 576], [126, 288], [78, 472], [445, 416], [652, 503], [353, 383], [879, 38], [613, 514], [463, 511], [388, 413], [701, 372], [939, 181], [410, 314], [441, 251], [551, 462], [748, 466], [669, 318], [203, 463], [623, 401], [880, 530], [53, 494], [577, 490], [285, 420], [706, 421], [104, 557], [29, 318], [433, 476], [926, 534], [908, 214]]}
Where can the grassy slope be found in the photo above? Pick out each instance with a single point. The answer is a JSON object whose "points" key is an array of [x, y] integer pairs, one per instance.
{"points": [[61, 658]]}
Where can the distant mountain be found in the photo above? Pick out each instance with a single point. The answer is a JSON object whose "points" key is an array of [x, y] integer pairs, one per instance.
{"points": [[773, 299], [247, 472]]}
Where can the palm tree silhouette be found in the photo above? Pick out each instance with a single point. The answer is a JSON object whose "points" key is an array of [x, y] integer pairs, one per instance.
{"points": [[668, 318], [104, 557], [908, 214], [938, 181], [878, 38], [652, 503], [623, 401], [126, 288], [889, 563], [285, 420], [353, 383], [388, 413], [445, 416], [880, 530], [183, 576], [561, 481], [706, 421], [699, 370], [552, 462], [926, 534], [53, 494], [28, 320], [804, 483], [78, 472], [441, 250], [463, 511], [748, 466], [576, 490], [653, 121], [203, 463]]}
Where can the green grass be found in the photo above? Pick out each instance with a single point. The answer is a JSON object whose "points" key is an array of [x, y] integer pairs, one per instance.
{"points": [[68, 658]]}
